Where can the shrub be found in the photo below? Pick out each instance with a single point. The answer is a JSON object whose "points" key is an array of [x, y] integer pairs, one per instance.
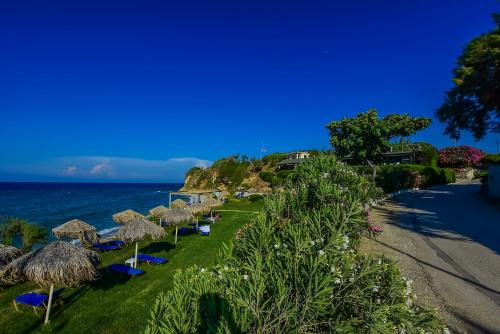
{"points": [[254, 198], [274, 158], [396, 177], [283, 174], [428, 156], [489, 159], [459, 156], [296, 269], [266, 176]]}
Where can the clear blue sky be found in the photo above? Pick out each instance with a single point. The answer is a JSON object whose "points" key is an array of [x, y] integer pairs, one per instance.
{"points": [[142, 90]]}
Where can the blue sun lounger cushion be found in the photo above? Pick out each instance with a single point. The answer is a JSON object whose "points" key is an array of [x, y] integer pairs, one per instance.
{"points": [[205, 230], [123, 269], [105, 247], [36, 299], [151, 259], [32, 299], [115, 243]]}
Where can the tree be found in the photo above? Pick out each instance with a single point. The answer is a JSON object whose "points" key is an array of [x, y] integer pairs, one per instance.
{"points": [[29, 233], [366, 137], [473, 104]]}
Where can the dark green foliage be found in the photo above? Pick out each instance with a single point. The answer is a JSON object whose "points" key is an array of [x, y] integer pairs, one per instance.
{"points": [[283, 174], [266, 176], [396, 177], [428, 156], [367, 137], [273, 158], [489, 159], [473, 104], [30, 234], [255, 197], [296, 269]]}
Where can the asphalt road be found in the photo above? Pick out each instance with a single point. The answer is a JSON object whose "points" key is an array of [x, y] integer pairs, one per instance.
{"points": [[448, 240]]}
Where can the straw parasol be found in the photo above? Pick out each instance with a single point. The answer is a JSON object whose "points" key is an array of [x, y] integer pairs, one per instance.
{"points": [[197, 209], [127, 216], [59, 263], [8, 253], [138, 230], [177, 216], [76, 229], [158, 212], [178, 203]]}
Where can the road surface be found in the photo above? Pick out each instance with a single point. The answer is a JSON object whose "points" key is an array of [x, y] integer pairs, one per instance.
{"points": [[447, 239]]}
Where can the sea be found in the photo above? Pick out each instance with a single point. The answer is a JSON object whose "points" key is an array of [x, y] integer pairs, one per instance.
{"points": [[52, 204]]}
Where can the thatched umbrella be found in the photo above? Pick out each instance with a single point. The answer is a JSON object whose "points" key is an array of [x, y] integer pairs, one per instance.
{"points": [[137, 230], [158, 212], [76, 229], [197, 209], [8, 253], [177, 216], [127, 216], [59, 263], [178, 203]]}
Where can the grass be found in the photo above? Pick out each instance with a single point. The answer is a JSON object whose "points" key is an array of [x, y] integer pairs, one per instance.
{"points": [[115, 304]]}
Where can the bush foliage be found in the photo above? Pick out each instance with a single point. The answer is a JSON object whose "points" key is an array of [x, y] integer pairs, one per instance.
{"points": [[396, 177], [296, 269], [489, 159], [459, 156]]}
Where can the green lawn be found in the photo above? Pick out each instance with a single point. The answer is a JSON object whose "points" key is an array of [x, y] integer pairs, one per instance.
{"points": [[114, 304]]}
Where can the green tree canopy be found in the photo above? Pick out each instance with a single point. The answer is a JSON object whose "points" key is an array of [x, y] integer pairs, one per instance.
{"points": [[473, 104], [366, 136]]}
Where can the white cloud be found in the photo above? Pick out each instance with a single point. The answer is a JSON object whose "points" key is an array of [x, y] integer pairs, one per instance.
{"points": [[70, 170], [109, 168]]}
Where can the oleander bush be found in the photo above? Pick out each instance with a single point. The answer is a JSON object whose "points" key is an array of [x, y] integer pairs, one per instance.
{"points": [[296, 269], [459, 156]]}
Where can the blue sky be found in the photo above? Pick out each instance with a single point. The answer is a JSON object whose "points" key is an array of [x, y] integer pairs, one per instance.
{"points": [[143, 90]]}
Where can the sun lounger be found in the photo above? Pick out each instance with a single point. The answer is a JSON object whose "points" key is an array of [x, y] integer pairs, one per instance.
{"points": [[205, 230], [151, 259], [115, 243], [36, 299], [184, 231], [105, 247], [123, 269]]}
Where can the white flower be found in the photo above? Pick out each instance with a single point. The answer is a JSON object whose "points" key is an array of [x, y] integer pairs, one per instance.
{"points": [[203, 270], [278, 253], [226, 268], [351, 279], [378, 300], [332, 269], [313, 242], [276, 245], [245, 277], [321, 252], [375, 288], [337, 281], [379, 261]]}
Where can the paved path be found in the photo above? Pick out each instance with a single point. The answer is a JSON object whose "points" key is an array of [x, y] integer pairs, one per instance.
{"points": [[448, 240]]}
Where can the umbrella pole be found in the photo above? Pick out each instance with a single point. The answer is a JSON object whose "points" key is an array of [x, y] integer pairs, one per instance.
{"points": [[49, 304], [176, 234], [136, 250], [197, 223]]}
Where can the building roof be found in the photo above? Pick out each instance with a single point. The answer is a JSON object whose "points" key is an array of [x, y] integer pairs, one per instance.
{"points": [[193, 192]]}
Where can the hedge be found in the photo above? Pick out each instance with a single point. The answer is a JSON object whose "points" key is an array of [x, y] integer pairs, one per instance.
{"points": [[396, 177]]}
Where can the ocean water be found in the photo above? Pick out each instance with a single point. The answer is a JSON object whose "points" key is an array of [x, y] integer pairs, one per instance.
{"points": [[52, 204]]}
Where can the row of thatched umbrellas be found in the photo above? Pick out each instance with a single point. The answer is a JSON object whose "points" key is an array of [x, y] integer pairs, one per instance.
{"points": [[64, 264]]}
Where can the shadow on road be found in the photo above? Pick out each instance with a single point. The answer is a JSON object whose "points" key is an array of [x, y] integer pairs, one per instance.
{"points": [[459, 213]]}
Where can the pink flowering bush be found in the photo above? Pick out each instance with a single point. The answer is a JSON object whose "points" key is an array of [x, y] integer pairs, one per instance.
{"points": [[459, 156]]}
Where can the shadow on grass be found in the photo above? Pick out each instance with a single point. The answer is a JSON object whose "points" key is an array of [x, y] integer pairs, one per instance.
{"points": [[108, 279], [156, 247]]}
